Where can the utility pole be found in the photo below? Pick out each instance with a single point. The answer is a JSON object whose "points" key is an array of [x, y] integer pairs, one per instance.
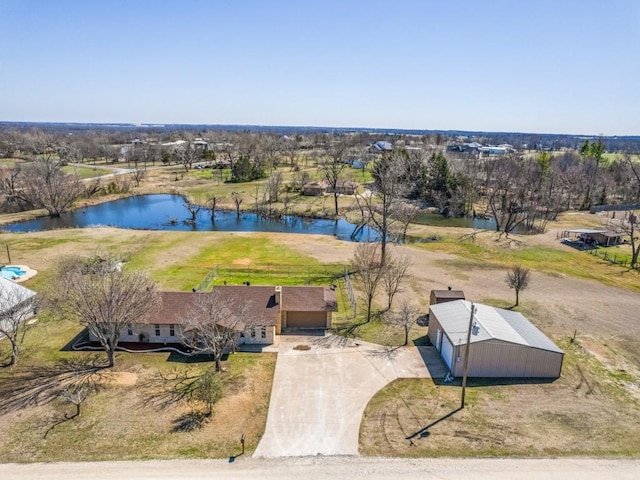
{"points": [[465, 367]]}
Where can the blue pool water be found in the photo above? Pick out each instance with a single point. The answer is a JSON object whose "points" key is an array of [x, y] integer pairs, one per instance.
{"points": [[11, 272]]}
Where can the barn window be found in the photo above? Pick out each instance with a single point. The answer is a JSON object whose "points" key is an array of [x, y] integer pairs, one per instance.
{"points": [[157, 330], [172, 330], [263, 332], [129, 330], [253, 332]]}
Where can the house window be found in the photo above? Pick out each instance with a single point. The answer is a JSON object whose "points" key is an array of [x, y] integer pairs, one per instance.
{"points": [[253, 332], [172, 330], [157, 330], [263, 332], [129, 330]]}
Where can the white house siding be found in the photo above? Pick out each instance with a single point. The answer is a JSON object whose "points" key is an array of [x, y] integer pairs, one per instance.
{"points": [[257, 337], [149, 332]]}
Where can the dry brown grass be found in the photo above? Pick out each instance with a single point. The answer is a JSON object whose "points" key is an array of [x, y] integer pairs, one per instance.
{"points": [[122, 421], [588, 411]]}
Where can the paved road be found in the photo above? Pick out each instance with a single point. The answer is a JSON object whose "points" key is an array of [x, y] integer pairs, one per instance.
{"points": [[316, 468], [319, 394]]}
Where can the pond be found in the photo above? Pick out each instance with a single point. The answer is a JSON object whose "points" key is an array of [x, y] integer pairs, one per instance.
{"points": [[167, 212], [438, 220]]}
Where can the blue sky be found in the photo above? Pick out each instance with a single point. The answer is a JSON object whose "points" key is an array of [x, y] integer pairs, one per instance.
{"points": [[563, 66]]}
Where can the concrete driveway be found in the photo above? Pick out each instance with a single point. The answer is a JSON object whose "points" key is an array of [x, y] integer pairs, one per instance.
{"points": [[321, 387]]}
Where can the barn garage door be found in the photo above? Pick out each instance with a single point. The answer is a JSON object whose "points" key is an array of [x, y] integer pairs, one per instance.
{"points": [[447, 351], [306, 319]]}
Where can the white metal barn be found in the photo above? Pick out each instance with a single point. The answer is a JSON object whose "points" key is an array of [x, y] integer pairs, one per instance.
{"points": [[503, 343]]}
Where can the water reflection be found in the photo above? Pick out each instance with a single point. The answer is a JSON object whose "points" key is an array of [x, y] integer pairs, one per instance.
{"points": [[167, 212]]}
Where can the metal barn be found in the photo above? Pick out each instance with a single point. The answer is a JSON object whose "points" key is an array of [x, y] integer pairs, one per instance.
{"points": [[503, 343]]}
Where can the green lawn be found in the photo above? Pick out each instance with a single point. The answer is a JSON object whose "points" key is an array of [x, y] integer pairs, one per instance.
{"points": [[86, 172]]}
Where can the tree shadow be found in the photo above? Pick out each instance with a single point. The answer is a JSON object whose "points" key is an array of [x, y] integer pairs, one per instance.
{"points": [[190, 421], [187, 359], [24, 387]]}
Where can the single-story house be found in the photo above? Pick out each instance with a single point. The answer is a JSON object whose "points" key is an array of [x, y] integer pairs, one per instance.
{"points": [[268, 311], [344, 187], [503, 343], [315, 189]]}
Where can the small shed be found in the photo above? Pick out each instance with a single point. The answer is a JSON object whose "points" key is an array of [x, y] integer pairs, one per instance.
{"points": [[593, 237], [442, 296], [503, 343]]}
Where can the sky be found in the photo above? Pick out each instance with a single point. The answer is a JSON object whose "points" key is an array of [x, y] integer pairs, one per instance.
{"points": [[538, 66]]}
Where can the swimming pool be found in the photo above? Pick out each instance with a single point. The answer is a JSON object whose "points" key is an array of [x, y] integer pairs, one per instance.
{"points": [[11, 273]]}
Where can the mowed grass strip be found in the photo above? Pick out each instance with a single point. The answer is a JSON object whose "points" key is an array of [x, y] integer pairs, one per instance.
{"points": [[241, 258]]}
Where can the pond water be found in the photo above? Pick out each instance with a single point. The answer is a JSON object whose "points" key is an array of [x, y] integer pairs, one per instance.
{"points": [[466, 222], [167, 212]]}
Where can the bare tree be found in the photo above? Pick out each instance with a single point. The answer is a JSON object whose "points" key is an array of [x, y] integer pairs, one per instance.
{"points": [[101, 296], [237, 200], [630, 226], [274, 184], [208, 390], [368, 270], [138, 174], [388, 188], [393, 276], [518, 279], [405, 213], [213, 323], [193, 210], [76, 395], [332, 169], [404, 317], [43, 184], [300, 179], [18, 304], [213, 201], [187, 154]]}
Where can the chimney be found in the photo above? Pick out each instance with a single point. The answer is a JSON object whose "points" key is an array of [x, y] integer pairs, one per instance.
{"points": [[279, 314]]}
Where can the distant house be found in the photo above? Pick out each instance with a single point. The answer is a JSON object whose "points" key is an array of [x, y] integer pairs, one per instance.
{"points": [[503, 343], [479, 149], [344, 187], [315, 189], [380, 147], [268, 311]]}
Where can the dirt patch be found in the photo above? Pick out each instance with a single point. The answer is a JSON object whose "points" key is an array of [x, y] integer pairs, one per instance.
{"points": [[242, 261], [119, 378], [302, 347]]}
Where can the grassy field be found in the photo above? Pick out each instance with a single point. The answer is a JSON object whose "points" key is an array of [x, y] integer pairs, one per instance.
{"points": [[86, 172], [590, 410]]}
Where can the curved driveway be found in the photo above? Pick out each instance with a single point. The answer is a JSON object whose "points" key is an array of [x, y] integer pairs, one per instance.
{"points": [[321, 387]]}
